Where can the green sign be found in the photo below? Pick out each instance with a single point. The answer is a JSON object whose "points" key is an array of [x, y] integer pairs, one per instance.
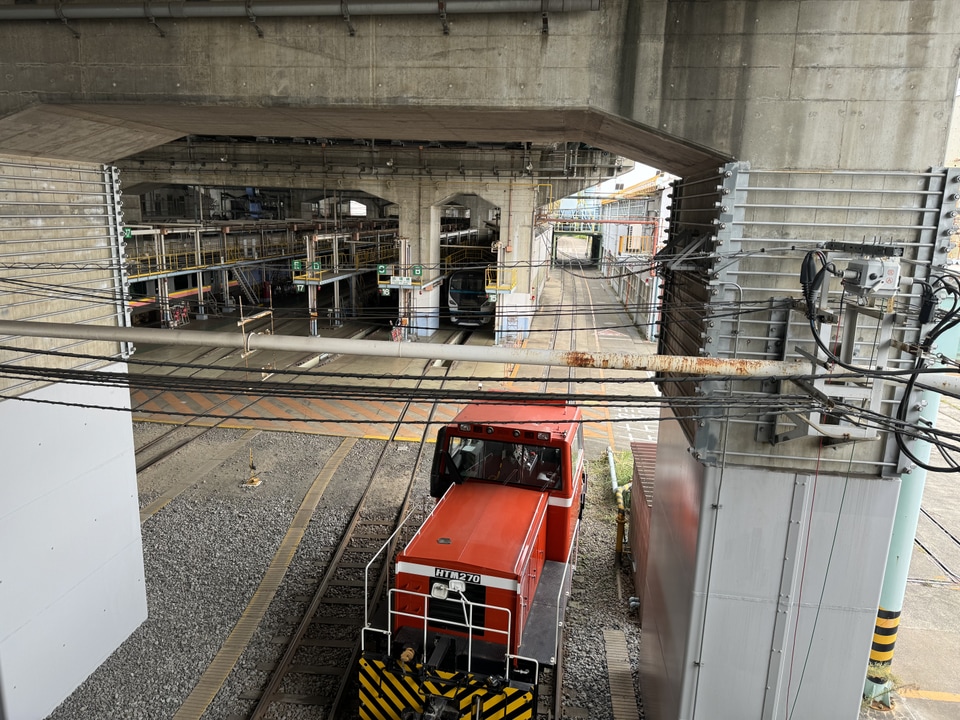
{"points": [[127, 233], [382, 270], [384, 291], [417, 270], [315, 266], [300, 288], [298, 264]]}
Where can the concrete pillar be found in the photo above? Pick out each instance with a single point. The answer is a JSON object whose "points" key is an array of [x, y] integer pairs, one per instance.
{"points": [[519, 262], [426, 301], [420, 214]]}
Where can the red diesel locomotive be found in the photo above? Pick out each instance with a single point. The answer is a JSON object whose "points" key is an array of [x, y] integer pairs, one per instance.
{"points": [[476, 610]]}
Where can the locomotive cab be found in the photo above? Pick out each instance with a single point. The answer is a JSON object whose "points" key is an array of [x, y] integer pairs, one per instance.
{"points": [[477, 605], [545, 456]]}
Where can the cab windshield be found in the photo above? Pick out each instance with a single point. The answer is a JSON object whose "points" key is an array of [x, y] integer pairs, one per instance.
{"points": [[507, 463]]}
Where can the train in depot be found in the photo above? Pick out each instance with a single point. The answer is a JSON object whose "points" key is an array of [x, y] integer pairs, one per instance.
{"points": [[467, 298], [474, 618]]}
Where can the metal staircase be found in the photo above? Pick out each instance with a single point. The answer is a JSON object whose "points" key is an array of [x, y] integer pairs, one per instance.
{"points": [[246, 286]]}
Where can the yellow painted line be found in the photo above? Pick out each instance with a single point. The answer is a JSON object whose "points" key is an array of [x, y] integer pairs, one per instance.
{"points": [[929, 695], [220, 667]]}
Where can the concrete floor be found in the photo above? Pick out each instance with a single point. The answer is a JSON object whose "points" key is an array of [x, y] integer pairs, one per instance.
{"points": [[927, 654]]}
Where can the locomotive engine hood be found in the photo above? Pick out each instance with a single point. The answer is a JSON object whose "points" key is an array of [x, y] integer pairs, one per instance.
{"points": [[480, 533]]}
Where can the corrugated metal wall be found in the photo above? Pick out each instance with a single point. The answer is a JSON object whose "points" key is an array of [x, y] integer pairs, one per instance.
{"points": [[731, 289], [768, 541], [61, 258]]}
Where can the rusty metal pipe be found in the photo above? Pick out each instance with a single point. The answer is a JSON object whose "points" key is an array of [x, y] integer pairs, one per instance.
{"points": [[426, 351]]}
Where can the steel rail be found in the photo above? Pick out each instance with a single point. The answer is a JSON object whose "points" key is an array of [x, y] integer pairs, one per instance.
{"points": [[384, 574], [271, 693]]}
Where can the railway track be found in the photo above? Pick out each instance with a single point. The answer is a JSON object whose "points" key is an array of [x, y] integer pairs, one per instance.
{"points": [[317, 666], [183, 433], [942, 543], [315, 671]]}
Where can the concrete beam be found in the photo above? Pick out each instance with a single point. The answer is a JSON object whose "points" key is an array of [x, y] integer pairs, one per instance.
{"points": [[108, 133]]}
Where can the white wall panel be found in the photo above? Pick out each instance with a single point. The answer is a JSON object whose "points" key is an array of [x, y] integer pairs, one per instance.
{"points": [[71, 576]]}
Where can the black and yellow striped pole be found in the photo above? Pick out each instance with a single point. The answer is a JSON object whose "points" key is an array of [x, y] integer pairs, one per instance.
{"points": [[881, 651], [884, 637], [878, 684]]}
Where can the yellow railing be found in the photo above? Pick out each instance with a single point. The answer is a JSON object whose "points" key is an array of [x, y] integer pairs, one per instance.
{"points": [[170, 262], [501, 279], [454, 259], [326, 261], [279, 248], [150, 264], [372, 256]]}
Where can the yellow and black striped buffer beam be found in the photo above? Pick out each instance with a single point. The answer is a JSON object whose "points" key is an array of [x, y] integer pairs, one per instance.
{"points": [[386, 693]]}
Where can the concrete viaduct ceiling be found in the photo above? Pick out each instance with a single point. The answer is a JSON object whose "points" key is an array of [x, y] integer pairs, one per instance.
{"points": [[138, 75], [681, 85]]}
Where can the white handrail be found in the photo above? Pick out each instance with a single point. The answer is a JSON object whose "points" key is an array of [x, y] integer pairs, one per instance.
{"points": [[469, 628], [568, 567], [366, 571]]}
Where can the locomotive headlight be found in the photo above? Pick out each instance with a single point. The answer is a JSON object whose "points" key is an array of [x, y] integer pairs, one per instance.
{"points": [[543, 436], [458, 586], [439, 591]]}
